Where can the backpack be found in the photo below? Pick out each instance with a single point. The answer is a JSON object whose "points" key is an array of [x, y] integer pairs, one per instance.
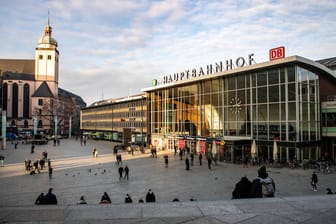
{"points": [[267, 189]]}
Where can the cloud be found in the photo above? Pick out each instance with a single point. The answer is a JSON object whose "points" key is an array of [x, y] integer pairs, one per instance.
{"points": [[117, 47]]}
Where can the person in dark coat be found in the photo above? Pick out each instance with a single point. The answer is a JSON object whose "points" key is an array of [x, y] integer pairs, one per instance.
{"points": [[187, 163], [242, 189], [192, 158], [128, 199], [36, 165], [200, 158], [314, 181], [126, 170], [40, 199], [120, 170], [209, 162], [181, 154], [150, 197], [166, 160], [50, 198], [105, 199]]}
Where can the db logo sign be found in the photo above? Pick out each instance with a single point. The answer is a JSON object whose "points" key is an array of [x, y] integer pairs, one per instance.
{"points": [[277, 53]]}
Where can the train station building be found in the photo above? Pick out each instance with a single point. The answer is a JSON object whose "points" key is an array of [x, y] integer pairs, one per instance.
{"points": [[278, 110]]}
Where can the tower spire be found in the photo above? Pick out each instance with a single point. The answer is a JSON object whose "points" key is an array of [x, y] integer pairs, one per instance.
{"points": [[47, 28]]}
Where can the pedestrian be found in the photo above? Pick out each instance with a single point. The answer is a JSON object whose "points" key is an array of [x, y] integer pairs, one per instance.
{"points": [[42, 162], [187, 163], [94, 153], [128, 199], [16, 144], [200, 158], [29, 166], [2, 160], [26, 164], [192, 158], [45, 154], [166, 160], [50, 171], [82, 201], [126, 170], [49, 163], [209, 162], [150, 197], [119, 160], [36, 165], [314, 181], [32, 148], [50, 198], [120, 170], [105, 199], [84, 141], [175, 150]]}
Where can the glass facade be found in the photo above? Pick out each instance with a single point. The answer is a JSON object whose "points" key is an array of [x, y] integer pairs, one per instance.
{"points": [[109, 119], [271, 104]]}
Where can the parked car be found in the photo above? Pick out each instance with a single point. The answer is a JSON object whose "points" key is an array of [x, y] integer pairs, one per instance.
{"points": [[119, 147]]}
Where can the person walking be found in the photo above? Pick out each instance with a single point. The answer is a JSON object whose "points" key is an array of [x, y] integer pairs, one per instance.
{"points": [[314, 181], [126, 170], [120, 170], [187, 163], [50, 171], [166, 160], [32, 148], [191, 158], [200, 158], [209, 162], [36, 165], [2, 160], [150, 197]]}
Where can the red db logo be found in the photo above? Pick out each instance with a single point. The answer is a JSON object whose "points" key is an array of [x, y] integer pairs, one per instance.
{"points": [[277, 53]]}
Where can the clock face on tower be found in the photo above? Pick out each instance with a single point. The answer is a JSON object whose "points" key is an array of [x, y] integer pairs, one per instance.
{"points": [[235, 103]]}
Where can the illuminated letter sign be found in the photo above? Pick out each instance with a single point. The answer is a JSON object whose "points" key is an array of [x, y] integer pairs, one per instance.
{"points": [[277, 53]]}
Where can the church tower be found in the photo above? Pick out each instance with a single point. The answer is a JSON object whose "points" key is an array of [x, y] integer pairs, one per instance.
{"points": [[47, 60]]}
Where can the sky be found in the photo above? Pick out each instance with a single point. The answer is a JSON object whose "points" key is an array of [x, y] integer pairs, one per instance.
{"points": [[114, 48]]}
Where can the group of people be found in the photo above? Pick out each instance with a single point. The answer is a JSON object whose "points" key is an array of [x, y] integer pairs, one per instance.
{"points": [[46, 199], [261, 186], [125, 171], [51, 199], [150, 198], [38, 165]]}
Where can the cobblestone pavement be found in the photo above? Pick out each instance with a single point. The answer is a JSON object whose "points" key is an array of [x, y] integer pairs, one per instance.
{"points": [[77, 173]]}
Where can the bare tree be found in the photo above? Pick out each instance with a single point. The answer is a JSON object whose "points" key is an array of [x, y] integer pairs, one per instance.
{"points": [[63, 108]]}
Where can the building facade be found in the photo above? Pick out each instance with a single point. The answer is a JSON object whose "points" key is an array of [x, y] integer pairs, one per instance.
{"points": [[108, 119], [270, 110], [30, 95]]}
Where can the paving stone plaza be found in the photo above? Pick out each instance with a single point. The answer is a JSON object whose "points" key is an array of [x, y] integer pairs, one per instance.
{"points": [[76, 173]]}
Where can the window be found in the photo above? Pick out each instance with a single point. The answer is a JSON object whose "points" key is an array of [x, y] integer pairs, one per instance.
{"points": [[49, 57], [40, 102], [40, 56]]}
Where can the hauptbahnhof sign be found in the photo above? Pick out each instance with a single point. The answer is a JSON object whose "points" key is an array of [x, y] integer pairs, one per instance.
{"points": [[210, 69]]}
